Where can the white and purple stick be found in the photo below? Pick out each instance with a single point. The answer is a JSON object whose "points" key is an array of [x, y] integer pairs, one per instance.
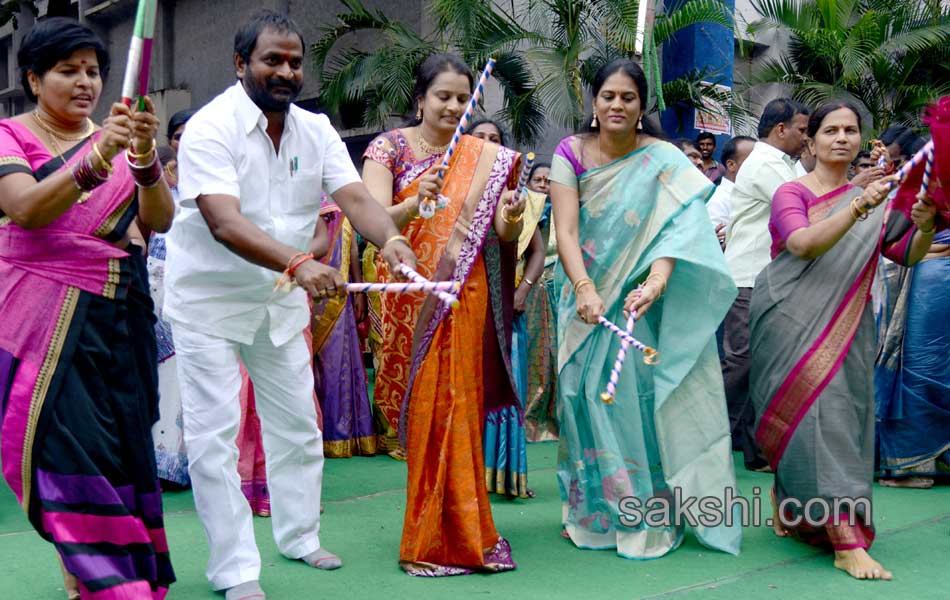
{"points": [[928, 171], [427, 209], [523, 179], [401, 288], [626, 340], [450, 299], [608, 396], [908, 166]]}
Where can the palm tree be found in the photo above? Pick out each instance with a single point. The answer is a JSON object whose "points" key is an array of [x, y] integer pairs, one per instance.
{"points": [[547, 51], [891, 58]]}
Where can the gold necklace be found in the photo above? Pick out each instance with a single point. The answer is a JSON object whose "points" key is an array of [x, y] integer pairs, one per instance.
{"points": [[66, 137], [427, 147], [53, 135], [824, 188]]}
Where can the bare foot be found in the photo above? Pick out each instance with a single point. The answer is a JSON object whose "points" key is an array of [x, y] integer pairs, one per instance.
{"points": [[777, 525], [859, 564], [920, 483]]}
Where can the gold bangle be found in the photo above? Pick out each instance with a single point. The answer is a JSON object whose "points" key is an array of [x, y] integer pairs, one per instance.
{"points": [[931, 231], [106, 165], [528, 281], [138, 157], [582, 282], [397, 238]]}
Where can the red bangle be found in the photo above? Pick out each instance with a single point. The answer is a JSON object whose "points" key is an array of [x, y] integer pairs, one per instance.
{"points": [[301, 260]]}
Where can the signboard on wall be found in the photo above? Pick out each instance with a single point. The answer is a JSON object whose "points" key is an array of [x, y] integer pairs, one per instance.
{"points": [[713, 117]]}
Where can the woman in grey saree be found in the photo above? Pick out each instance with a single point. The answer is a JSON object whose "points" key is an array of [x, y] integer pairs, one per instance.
{"points": [[812, 341]]}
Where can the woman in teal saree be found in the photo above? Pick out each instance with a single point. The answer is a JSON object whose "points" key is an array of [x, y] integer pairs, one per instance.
{"points": [[812, 341], [630, 210]]}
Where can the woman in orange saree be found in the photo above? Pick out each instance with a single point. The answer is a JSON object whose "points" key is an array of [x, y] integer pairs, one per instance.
{"points": [[457, 368]]}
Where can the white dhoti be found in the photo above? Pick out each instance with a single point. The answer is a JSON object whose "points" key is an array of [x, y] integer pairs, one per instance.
{"points": [[283, 387]]}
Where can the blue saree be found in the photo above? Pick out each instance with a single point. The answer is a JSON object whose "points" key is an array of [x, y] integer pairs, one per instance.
{"points": [[666, 432]]}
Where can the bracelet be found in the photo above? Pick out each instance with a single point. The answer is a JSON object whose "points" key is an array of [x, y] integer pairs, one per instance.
{"points": [[106, 165], [509, 220], [931, 231], [396, 238], [582, 282], [145, 154], [146, 176], [85, 176], [857, 212], [292, 268], [413, 213], [528, 281]]}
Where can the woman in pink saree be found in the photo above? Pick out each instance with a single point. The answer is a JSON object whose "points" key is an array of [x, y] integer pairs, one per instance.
{"points": [[78, 357], [813, 341]]}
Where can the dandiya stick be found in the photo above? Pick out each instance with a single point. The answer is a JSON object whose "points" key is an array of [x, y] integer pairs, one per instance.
{"points": [[450, 299], [401, 288], [427, 209], [915, 160], [626, 340], [523, 179], [928, 171], [135, 82]]}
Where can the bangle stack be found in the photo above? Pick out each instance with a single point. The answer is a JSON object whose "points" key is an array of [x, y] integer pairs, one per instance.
{"points": [[145, 175], [87, 177], [581, 283], [396, 238]]}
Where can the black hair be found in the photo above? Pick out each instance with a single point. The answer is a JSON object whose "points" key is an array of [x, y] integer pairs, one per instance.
{"points": [[178, 119], [705, 135], [780, 110], [912, 145], [431, 68], [905, 138], [731, 148], [245, 39], [814, 121], [501, 130], [682, 143], [634, 72], [536, 166], [53, 40], [165, 154], [861, 154]]}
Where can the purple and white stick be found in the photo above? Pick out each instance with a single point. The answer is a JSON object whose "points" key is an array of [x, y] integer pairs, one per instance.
{"points": [[401, 288], [908, 166], [427, 209], [450, 299]]}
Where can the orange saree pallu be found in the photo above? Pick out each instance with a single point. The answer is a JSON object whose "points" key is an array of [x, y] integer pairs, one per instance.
{"points": [[460, 371]]}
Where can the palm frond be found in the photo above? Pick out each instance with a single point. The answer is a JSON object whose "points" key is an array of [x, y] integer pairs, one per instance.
{"points": [[793, 15], [692, 12]]}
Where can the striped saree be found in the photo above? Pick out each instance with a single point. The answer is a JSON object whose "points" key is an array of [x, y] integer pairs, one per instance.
{"points": [[78, 382]]}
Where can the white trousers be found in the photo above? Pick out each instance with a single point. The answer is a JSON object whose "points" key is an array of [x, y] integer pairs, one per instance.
{"points": [[293, 445]]}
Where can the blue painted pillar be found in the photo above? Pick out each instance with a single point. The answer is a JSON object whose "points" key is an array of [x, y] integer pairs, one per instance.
{"points": [[703, 46]]}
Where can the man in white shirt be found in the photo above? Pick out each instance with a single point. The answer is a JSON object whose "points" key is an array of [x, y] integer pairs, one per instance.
{"points": [[734, 154], [748, 242], [255, 165]]}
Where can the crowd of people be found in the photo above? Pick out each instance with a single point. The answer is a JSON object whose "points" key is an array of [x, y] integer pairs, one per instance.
{"points": [[177, 315]]}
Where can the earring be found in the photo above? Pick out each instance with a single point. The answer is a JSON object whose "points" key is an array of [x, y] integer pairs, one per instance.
{"points": [[640, 123], [594, 123], [419, 114]]}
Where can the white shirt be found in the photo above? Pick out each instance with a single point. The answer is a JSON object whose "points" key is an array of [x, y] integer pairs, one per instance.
{"points": [[720, 202], [226, 150], [800, 170], [748, 240]]}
